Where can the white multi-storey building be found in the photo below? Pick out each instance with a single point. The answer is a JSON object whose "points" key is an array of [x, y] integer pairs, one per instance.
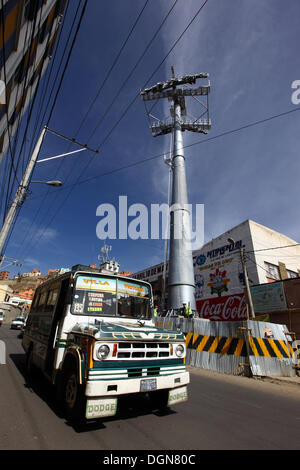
{"points": [[219, 280]]}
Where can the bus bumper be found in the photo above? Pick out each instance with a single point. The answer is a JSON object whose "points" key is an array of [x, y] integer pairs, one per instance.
{"points": [[111, 388], [102, 396]]}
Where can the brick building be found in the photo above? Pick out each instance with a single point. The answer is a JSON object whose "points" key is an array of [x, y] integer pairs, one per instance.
{"points": [[26, 294], [4, 275]]}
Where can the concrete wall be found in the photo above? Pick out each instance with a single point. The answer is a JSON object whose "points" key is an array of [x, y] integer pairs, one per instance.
{"points": [[4, 291], [11, 312]]}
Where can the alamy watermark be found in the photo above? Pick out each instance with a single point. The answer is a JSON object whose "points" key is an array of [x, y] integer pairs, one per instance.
{"points": [[138, 222], [295, 97], [2, 352]]}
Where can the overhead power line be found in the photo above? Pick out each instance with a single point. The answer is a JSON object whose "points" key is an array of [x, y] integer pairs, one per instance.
{"points": [[256, 264], [273, 248], [133, 70], [94, 100], [127, 78], [97, 94], [126, 110], [40, 119], [7, 173], [108, 74], [35, 32], [5, 82], [203, 141], [66, 64], [152, 75], [134, 164], [68, 60]]}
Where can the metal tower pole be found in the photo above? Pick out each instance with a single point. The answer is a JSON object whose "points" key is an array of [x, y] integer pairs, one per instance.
{"points": [[181, 284]]}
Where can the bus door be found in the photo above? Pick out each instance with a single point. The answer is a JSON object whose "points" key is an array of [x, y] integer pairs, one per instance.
{"points": [[57, 315]]}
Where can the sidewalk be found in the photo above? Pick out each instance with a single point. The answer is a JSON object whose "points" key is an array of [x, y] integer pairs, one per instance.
{"points": [[259, 378], [282, 380]]}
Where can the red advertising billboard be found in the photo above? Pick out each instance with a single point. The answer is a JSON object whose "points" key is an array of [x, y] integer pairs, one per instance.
{"points": [[225, 308]]}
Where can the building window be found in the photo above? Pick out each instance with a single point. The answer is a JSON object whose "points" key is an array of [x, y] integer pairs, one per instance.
{"points": [[291, 274], [272, 271], [31, 8], [60, 6], [10, 16]]}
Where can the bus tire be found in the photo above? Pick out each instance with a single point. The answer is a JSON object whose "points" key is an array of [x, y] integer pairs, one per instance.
{"points": [[73, 398]]}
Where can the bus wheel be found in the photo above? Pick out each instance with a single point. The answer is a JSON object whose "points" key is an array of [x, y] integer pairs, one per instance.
{"points": [[73, 396]]}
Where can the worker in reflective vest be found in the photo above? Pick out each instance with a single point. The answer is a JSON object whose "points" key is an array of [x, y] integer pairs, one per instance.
{"points": [[155, 311], [186, 310]]}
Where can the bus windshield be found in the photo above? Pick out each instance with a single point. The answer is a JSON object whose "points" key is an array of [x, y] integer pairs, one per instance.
{"points": [[105, 296]]}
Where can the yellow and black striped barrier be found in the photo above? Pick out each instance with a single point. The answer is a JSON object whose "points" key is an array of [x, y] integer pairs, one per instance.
{"points": [[268, 347], [260, 347]]}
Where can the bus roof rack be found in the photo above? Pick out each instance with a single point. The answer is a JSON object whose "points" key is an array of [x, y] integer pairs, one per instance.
{"points": [[82, 267]]}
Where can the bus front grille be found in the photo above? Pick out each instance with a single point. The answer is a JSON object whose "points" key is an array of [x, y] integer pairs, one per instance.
{"points": [[143, 350], [147, 372]]}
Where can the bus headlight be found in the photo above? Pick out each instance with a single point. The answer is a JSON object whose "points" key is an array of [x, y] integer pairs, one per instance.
{"points": [[102, 352], [180, 350]]}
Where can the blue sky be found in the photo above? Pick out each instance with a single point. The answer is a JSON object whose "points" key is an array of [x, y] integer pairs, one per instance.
{"points": [[250, 50]]}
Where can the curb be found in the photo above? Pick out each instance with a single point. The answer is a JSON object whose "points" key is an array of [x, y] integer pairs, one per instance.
{"points": [[279, 380]]}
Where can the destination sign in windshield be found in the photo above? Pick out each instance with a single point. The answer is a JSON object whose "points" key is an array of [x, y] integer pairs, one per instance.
{"points": [[107, 296]]}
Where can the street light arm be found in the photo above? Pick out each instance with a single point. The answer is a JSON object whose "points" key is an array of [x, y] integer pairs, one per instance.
{"points": [[56, 183]]}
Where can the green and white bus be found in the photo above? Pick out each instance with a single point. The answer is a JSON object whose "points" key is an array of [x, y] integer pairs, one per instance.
{"points": [[92, 335]]}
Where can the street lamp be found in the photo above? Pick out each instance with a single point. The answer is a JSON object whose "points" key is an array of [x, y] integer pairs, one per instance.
{"points": [[50, 183], [249, 297], [17, 202]]}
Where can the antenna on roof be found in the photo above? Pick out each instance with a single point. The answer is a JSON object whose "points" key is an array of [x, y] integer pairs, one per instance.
{"points": [[107, 264]]}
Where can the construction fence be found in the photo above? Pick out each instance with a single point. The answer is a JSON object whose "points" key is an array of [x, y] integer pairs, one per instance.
{"points": [[238, 348]]}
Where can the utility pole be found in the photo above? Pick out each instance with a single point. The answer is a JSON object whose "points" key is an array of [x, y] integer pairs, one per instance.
{"points": [[20, 194], [245, 274], [24, 184], [249, 296], [181, 284]]}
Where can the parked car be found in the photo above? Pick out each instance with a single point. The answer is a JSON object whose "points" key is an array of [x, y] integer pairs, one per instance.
{"points": [[23, 328], [17, 323]]}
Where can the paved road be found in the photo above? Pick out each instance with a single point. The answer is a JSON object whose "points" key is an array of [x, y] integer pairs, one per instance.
{"points": [[223, 412]]}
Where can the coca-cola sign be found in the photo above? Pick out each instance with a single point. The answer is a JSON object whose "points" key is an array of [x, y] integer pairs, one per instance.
{"points": [[227, 308]]}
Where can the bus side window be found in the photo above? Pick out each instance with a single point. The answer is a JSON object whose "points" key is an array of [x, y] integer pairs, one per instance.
{"points": [[41, 301], [51, 300], [35, 302], [34, 322]]}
